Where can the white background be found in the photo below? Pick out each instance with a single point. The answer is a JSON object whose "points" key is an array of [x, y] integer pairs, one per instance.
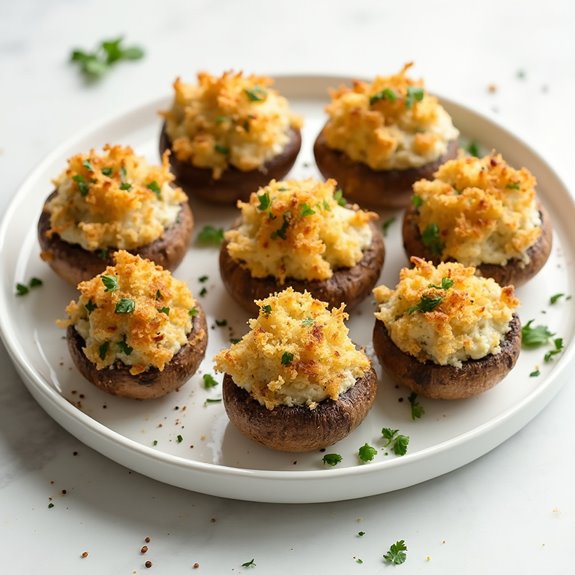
{"points": [[512, 511]]}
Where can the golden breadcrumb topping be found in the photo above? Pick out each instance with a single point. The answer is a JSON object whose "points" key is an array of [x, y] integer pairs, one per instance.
{"points": [[390, 123], [299, 229], [230, 120], [479, 210], [445, 314], [113, 200], [134, 313], [296, 353]]}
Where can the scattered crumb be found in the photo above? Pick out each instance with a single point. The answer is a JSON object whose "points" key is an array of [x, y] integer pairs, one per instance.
{"points": [[195, 566], [492, 88], [213, 520], [147, 539], [148, 564], [84, 554], [144, 549], [556, 510], [428, 558]]}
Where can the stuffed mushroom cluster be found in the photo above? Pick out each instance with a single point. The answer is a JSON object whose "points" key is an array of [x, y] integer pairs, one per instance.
{"points": [[300, 255]]}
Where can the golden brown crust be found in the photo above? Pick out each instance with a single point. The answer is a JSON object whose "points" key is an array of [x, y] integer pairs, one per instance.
{"points": [[74, 264], [298, 428], [446, 381], [347, 285], [514, 272], [234, 184], [153, 383], [385, 189]]}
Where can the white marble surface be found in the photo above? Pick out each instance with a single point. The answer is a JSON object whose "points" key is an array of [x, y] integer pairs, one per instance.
{"points": [[512, 511]]}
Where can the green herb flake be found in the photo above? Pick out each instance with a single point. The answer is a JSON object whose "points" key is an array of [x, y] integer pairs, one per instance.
{"points": [[107, 171], [266, 309], [446, 283], [123, 173], [158, 294], [35, 282], [385, 94], [537, 336], [366, 453], [50, 505], [473, 149], [555, 298], [155, 442], [155, 187], [221, 149], [414, 94], [389, 435], [125, 305], [203, 292], [213, 400], [306, 210], [165, 310], [535, 373], [287, 358], [103, 350], [125, 186], [400, 445], [360, 533], [308, 321], [513, 186], [387, 224], [558, 348], [88, 165], [209, 381], [250, 563], [83, 185], [331, 459], [221, 322], [360, 561], [416, 201], [193, 312], [426, 304], [431, 238], [256, 94], [179, 439], [282, 231], [265, 201], [397, 553], [123, 347], [90, 306], [235, 340], [21, 289], [210, 236], [417, 410], [338, 197], [110, 283]]}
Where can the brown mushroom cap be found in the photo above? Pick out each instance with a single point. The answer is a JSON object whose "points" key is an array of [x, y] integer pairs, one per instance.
{"points": [[298, 428], [234, 184], [514, 272], [152, 383], [74, 264], [381, 189], [446, 381], [347, 285]]}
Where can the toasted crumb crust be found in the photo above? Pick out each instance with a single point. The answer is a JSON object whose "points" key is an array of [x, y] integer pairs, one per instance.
{"points": [[384, 189], [75, 264], [150, 384], [234, 184], [347, 285], [298, 428], [446, 381]]}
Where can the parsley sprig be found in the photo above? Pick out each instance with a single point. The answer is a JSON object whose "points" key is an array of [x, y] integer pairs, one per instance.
{"points": [[397, 553], [210, 236], [394, 440]]}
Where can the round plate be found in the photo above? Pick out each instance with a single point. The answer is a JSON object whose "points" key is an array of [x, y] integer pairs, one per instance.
{"points": [[186, 440]]}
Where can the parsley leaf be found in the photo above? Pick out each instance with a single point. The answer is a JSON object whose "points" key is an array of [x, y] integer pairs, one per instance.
{"points": [[306, 210], [282, 231], [265, 201], [473, 149], [193, 312], [416, 201], [535, 336], [414, 94], [431, 238], [266, 309], [155, 187], [250, 563], [90, 306], [389, 435], [103, 350], [397, 553], [446, 283], [385, 94], [35, 282], [386, 225], [558, 343], [555, 298], [83, 185], [110, 283], [535, 373], [209, 381], [513, 186], [426, 304], [124, 347], [338, 197], [125, 305], [179, 439], [332, 459], [417, 409], [21, 289], [125, 186], [256, 94], [165, 310], [287, 358], [107, 171], [366, 452], [400, 445], [210, 236]]}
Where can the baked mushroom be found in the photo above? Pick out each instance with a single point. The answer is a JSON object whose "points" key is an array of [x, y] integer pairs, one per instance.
{"points": [[111, 201], [480, 212], [303, 234], [135, 331], [229, 135], [444, 332], [295, 381], [383, 136]]}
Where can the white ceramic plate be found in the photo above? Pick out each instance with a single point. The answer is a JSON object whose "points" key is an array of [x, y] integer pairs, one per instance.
{"points": [[184, 441]]}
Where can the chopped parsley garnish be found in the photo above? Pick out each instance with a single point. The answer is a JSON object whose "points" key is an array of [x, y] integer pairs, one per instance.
{"points": [[417, 410], [124, 347], [250, 563], [88, 165], [125, 305], [95, 64], [103, 350], [282, 231], [123, 173], [306, 210], [213, 400], [209, 381], [107, 171], [535, 336], [385, 94], [360, 533], [256, 94], [414, 94], [366, 452], [308, 321], [179, 439], [555, 298], [158, 294], [90, 306], [155, 442], [221, 322], [431, 238], [446, 283], [50, 505], [473, 149], [416, 201], [266, 309], [338, 197], [513, 186], [558, 343], [221, 149], [125, 186], [83, 185], [155, 187], [193, 312], [210, 236], [21, 289], [165, 310], [535, 373], [203, 292], [203, 279], [110, 283], [265, 201], [395, 440], [386, 225], [235, 340], [397, 553], [426, 304], [331, 459], [287, 358]]}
